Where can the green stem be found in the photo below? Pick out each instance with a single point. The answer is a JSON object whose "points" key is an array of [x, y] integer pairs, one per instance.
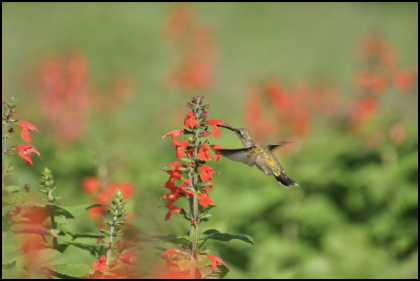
{"points": [[3, 171], [111, 232], [194, 211], [55, 239]]}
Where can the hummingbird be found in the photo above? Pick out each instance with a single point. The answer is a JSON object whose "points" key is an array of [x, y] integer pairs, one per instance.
{"points": [[258, 154]]}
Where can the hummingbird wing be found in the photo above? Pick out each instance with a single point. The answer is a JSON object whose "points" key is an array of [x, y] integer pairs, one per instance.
{"points": [[272, 146], [245, 155]]}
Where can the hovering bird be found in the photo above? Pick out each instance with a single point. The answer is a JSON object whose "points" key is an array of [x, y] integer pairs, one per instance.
{"points": [[258, 154]]}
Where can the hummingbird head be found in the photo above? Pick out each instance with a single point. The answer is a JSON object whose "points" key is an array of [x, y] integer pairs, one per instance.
{"points": [[243, 134]]}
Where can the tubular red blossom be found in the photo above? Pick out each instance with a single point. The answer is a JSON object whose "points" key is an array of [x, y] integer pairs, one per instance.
{"points": [[90, 184], [180, 148], [25, 151], [204, 199], [204, 153], [100, 265], [190, 120], [214, 123], [174, 135], [216, 156], [215, 261], [172, 209], [26, 127], [206, 174], [127, 258], [170, 253]]}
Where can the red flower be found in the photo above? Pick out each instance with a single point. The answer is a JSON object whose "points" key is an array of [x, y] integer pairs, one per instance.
{"points": [[216, 156], [404, 79], [204, 199], [180, 148], [214, 123], [90, 184], [189, 120], [26, 127], [25, 151], [172, 209], [215, 261], [174, 135], [170, 253], [127, 258], [100, 264], [206, 174], [204, 153]]}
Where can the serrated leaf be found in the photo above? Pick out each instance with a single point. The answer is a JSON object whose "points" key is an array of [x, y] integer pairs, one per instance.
{"points": [[75, 270], [63, 229], [177, 240], [39, 213], [79, 210], [227, 237], [95, 250]]}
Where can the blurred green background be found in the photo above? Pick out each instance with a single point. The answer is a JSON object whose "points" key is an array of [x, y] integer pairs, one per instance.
{"points": [[355, 214]]}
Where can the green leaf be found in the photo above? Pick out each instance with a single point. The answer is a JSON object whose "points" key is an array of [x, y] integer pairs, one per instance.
{"points": [[75, 270], [14, 198], [96, 250], [80, 235], [79, 210], [14, 273], [12, 188], [177, 240], [9, 249], [48, 258], [7, 209], [226, 237]]}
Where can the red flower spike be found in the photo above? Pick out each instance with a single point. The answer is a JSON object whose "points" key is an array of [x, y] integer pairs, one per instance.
{"points": [[127, 258], [215, 261], [26, 127], [174, 135], [180, 148], [100, 265], [170, 253], [216, 156], [214, 123], [190, 120], [204, 153], [25, 151]]}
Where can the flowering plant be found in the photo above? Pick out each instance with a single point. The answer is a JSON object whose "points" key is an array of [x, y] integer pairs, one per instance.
{"points": [[192, 179]]}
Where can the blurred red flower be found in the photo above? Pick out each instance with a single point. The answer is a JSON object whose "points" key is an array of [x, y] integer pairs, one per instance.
{"points": [[215, 261], [25, 151], [26, 127], [127, 258], [100, 265], [180, 148]]}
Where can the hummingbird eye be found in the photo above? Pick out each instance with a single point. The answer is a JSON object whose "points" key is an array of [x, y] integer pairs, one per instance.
{"points": [[241, 132]]}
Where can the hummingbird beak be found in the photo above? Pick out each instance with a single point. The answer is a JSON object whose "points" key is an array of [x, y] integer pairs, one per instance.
{"points": [[230, 128]]}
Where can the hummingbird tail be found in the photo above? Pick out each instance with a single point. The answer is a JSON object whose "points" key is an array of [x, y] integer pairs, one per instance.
{"points": [[285, 181]]}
